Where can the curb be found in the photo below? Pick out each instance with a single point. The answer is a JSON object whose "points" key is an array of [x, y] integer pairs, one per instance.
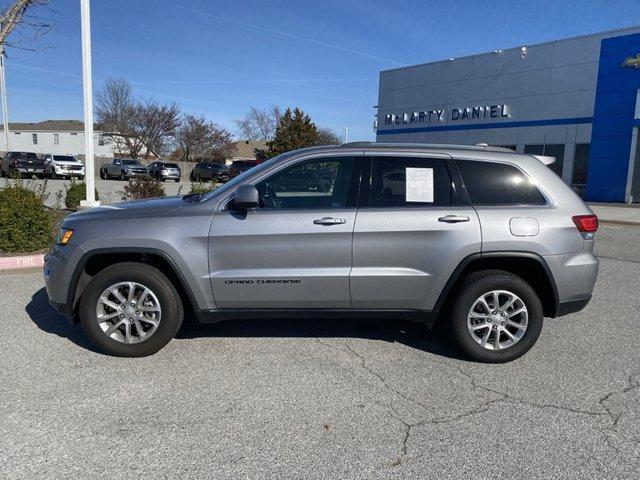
{"points": [[22, 262]]}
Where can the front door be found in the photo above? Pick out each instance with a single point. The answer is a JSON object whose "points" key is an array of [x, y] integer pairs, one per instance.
{"points": [[294, 251], [411, 233]]}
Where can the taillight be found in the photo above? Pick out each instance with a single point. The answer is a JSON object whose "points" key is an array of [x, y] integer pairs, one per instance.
{"points": [[586, 223]]}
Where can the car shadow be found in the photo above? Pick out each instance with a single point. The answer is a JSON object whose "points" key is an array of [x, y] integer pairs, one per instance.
{"points": [[436, 340], [48, 320], [414, 335]]}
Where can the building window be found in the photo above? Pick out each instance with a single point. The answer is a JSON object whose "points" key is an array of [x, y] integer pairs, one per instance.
{"points": [[34, 137], [74, 133], [56, 139], [550, 150], [17, 133], [510, 147], [580, 164], [101, 140]]}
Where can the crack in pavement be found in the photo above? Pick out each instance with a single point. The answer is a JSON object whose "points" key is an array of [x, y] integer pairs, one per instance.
{"points": [[617, 259], [501, 397]]}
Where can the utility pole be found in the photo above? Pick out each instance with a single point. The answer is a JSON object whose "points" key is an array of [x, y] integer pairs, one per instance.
{"points": [[3, 93], [87, 90], [346, 134]]}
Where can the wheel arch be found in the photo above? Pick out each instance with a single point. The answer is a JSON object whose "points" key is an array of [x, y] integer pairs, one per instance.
{"points": [[94, 261], [529, 266]]}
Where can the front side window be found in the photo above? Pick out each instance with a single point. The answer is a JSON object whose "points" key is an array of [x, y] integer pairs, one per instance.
{"points": [[409, 182], [323, 183], [491, 183]]}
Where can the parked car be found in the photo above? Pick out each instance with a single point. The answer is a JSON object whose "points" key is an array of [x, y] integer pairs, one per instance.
{"points": [[165, 171], [63, 166], [481, 237], [240, 166], [209, 172], [22, 164], [123, 168]]}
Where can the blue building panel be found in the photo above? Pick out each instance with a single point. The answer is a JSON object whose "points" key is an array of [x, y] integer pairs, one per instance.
{"points": [[613, 119]]}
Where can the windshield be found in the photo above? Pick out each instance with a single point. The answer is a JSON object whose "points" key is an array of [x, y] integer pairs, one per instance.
{"points": [[25, 156], [230, 185], [130, 162], [64, 158]]}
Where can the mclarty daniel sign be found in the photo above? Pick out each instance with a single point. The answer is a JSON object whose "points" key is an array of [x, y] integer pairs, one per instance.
{"points": [[479, 112]]}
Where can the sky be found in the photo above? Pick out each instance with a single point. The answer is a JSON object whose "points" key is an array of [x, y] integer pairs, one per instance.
{"points": [[220, 58]]}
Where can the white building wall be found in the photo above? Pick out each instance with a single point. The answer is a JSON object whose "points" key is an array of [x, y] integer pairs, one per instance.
{"points": [[70, 143]]}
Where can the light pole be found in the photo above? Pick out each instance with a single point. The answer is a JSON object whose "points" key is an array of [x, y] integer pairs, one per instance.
{"points": [[87, 90], [346, 134], [3, 93]]}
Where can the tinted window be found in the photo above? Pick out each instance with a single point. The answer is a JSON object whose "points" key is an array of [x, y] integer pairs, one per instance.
{"points": [[24, 156], [498, 184], [316, 184], [130, 162], [64, 158], [170, 165], [429, 182]]}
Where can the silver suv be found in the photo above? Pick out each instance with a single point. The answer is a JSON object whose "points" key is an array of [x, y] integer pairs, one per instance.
{"points": [[485, 239]]}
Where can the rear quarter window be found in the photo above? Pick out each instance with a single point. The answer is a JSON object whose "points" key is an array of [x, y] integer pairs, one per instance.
{"points": [[490, 183]]}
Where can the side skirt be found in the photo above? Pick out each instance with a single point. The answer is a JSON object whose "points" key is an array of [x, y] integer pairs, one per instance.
{"points": [[426, 317]]}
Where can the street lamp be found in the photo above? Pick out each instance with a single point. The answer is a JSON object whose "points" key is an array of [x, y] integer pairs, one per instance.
{"points": [[87, 90]]}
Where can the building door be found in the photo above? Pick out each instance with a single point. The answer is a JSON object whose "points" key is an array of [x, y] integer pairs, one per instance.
{"points": [[635, 181]]}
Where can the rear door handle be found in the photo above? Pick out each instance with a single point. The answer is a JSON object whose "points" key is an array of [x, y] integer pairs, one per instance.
{"points": [[453, 219], [329, 221]]}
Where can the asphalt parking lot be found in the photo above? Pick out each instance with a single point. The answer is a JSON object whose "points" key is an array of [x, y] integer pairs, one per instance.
{"points": [[326, 399], [109, 191]]}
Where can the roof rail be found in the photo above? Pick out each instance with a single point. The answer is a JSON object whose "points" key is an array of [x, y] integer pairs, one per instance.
{"points": [[476, 147]]}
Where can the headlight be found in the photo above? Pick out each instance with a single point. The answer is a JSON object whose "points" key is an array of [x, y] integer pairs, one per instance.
{"points": [[64, 235]]}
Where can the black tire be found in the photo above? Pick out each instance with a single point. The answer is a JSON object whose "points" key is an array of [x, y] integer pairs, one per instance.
{"points": [[123, 176], [53, 175], [81, 177], [103, 175], [168, 298], [162, 179], [176, 180], [483, 282]]}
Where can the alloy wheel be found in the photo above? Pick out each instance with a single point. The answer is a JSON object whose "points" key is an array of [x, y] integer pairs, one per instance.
{"points": [[128, 312], [497, 320]]}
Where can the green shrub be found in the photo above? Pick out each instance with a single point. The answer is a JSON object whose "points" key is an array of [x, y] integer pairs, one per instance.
{"points": [[25, 224], [142, 187], [201, 188], [75, 194]]}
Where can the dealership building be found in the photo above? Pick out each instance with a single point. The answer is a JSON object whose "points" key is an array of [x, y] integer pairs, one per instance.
{"points": [[576, 99]]}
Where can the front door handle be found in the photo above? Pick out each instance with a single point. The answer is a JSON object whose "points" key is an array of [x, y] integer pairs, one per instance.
{"points": [[329, 221], [453, 219]]}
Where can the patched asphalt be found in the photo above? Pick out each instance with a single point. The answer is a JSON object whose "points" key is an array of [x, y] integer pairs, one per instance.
{"points": [[326, 399]]}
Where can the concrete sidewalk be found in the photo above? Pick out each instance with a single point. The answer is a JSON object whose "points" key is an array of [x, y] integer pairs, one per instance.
{"points": [[617, 213]]}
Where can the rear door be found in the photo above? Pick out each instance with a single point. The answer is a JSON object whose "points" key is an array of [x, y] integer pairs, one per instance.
{"points": [[412, 230], [295, 250]]}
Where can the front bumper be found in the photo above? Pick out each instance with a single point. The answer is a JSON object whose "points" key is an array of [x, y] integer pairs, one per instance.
{"points": [[70, 173], [136, 174], [57, 277], [170, 175]]}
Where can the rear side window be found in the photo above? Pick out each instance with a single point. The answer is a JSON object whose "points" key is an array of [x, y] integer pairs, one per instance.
{"points": [[409, 182], [491, 183]]}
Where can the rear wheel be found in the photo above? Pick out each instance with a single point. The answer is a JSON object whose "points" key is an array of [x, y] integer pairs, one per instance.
{"points": [[497, 317], [130, 310]]}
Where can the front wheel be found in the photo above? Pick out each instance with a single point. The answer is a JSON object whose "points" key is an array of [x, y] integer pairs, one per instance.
{"points": [[130, 310], [497, 317], [123, 176]]}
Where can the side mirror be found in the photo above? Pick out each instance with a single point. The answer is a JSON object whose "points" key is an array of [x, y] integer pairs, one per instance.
{"points": [[246, 198]]}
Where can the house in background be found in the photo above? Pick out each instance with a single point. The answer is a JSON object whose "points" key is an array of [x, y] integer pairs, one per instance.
{"points": [[54, 136]]}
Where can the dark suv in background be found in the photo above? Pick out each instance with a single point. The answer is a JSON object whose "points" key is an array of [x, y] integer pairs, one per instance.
{"points": [[22, 164], [240, 166], [209, 172]]}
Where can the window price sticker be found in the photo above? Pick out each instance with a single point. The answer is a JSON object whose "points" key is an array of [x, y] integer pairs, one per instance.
{"points": [[419, 185]]}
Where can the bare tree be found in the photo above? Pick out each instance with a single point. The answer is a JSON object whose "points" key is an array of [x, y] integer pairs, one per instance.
{"points": [[197, 138], [138, 127], [155, 124], [259, 125], [25, 18], [116, 112], [326, 136]]}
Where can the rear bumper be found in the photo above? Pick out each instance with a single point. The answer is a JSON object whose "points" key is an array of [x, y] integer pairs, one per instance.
{"points": [[572, 306], [575, 275]]}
